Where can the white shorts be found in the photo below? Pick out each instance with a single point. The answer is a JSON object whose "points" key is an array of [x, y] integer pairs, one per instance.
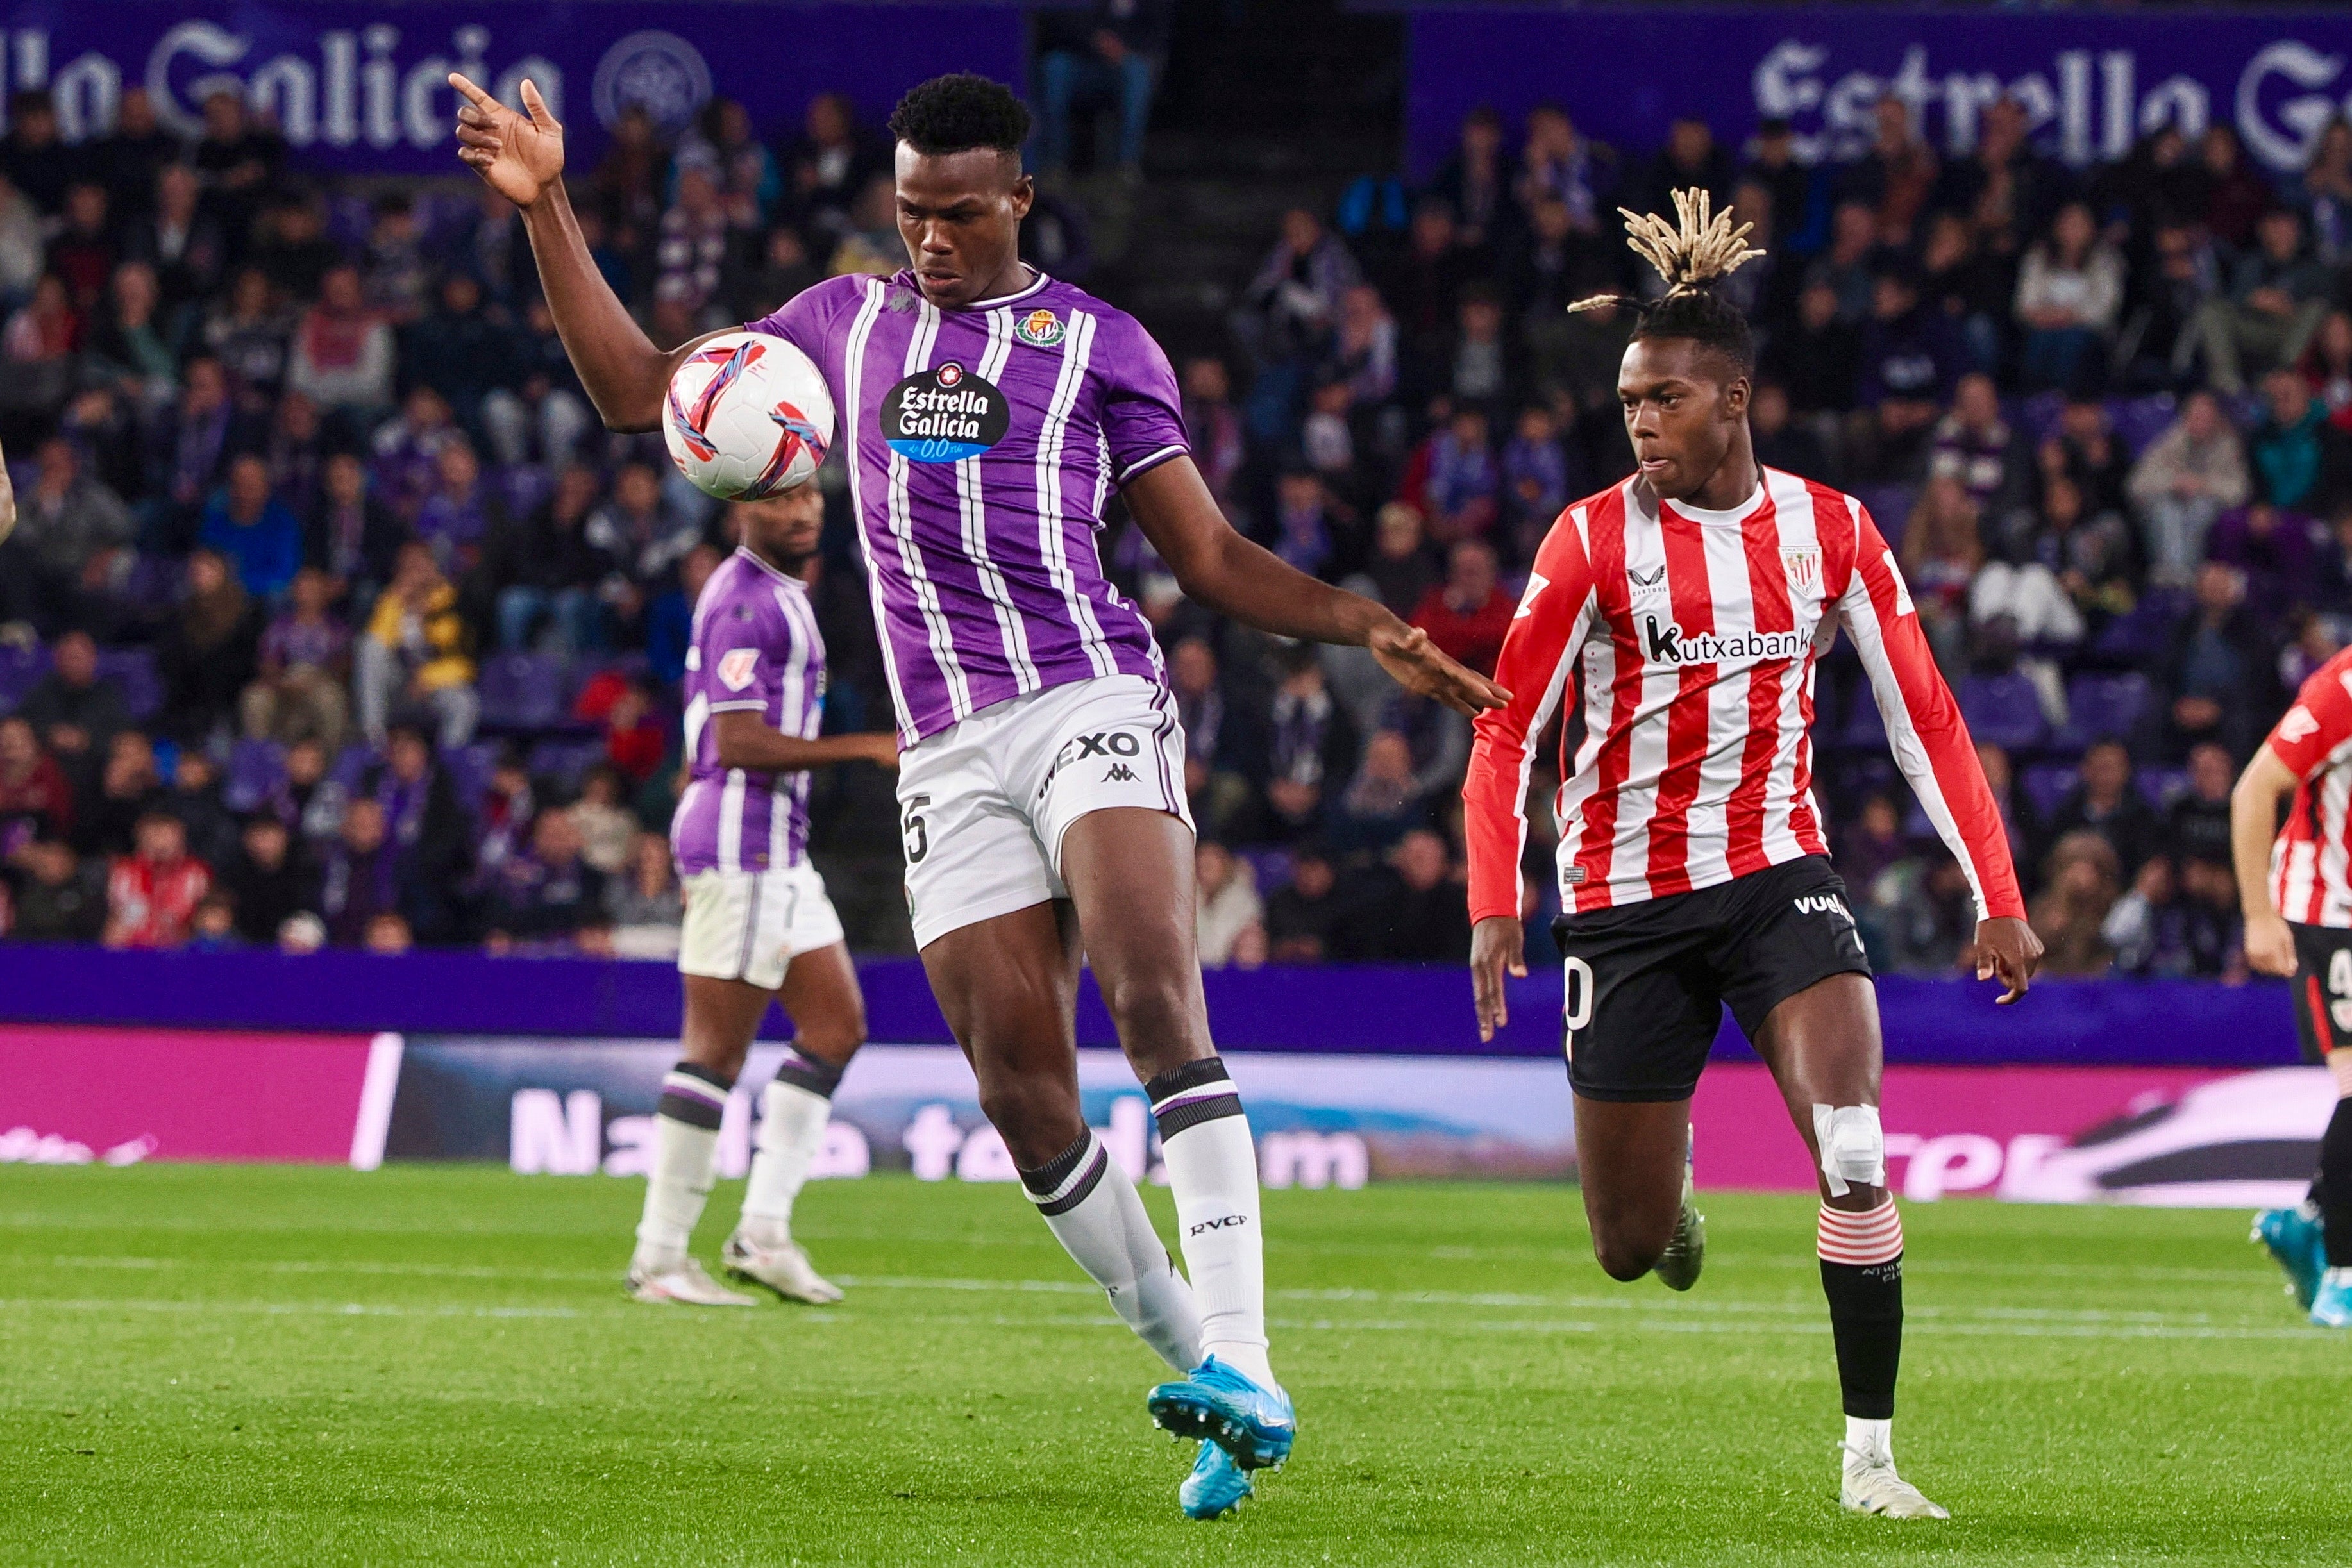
{"points": [[750, 925], [984, 805]]}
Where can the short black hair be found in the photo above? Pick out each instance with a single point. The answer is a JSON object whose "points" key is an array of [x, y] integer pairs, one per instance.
{"points": [[1703, 316], [959, 112]]}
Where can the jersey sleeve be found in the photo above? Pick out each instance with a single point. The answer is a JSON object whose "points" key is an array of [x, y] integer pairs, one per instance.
{"points": [[1539, 657], [742, 652], [1143, 411], [806, 318], [1929, 738], [2314, 732]]}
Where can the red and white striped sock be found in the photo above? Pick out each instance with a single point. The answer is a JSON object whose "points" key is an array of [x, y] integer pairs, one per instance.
{"points": [[1874, 1236]]}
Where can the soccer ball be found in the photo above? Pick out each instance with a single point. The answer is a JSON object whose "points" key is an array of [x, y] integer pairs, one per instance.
{"points": [[747, 415]]}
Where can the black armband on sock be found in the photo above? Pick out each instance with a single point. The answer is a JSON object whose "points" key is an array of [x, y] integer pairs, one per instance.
{"points": [[814, 1074], [1866, 1321], [1069, 1178], [1189, 1095], [694, 1095]]}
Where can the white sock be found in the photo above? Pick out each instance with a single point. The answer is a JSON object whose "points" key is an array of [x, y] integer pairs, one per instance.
{"points": [[678, 1184], [1874, 1440], [792, 1130], [1094, 1212], [1213, 1174]]}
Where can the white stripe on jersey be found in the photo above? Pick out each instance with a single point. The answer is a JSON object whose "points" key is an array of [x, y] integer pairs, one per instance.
{"points": [[920, 343], [853, 369], [971, 503], [1076, 349], [2335, 796], [1660, 685], [1792, 512], [1706, 856], [1575, 791], [784, 792], [731, 822]]}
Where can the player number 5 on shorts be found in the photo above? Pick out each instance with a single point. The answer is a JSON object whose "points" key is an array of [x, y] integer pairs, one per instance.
{"points": [[1576, 1003], [910, 827]]}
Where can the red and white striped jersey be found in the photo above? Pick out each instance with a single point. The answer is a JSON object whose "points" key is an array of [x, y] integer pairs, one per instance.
{"points": [[1694, 635], [2311, 871]]}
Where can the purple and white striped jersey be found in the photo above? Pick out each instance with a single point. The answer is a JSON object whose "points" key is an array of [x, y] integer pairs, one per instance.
{"points": [[981, 444], [756, 647]]}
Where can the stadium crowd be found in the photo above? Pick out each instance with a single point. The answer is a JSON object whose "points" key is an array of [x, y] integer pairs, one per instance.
{"points": [[333, 617]]}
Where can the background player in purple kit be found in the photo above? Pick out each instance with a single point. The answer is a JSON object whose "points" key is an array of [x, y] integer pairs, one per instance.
{"points": [[987, 412], [759, 928]]}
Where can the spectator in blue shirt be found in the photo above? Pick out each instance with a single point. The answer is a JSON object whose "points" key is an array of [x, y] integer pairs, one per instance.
{"points": [[253, 529]]}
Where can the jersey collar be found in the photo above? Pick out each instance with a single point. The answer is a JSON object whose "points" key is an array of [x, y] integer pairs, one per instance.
{"points": [[748, 553], [1036, 285], [1727, 516]]}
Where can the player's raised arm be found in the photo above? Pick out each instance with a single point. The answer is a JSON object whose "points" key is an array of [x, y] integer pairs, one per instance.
{"points": [[1537, 659], [1218, 568], [1931, 745], [745, 741], [520, 156]]}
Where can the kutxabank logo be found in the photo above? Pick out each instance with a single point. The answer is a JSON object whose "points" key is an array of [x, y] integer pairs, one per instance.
{"points": [[1666, 643], [944, 414]]}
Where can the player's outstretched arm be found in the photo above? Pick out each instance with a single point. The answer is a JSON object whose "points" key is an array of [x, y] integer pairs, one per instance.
{"points": [[746, 741], [1218, 568], [2253, 821], [520, 156]]}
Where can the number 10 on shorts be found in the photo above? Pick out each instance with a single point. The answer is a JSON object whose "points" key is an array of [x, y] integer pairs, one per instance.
{"points": [[1575, 1004]]}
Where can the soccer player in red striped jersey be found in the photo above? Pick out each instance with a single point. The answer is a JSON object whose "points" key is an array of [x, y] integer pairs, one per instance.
{"points": [[1688, 606], [2296, 890]]}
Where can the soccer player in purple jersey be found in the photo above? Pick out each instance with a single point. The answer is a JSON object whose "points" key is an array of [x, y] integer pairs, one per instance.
{"points": [[987, 412], [759, 928]]}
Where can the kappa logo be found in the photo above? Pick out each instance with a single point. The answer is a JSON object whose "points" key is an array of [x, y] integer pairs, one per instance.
{"points": [[1041, 329], [1668, 643], [1120, 773], [1823, 903], [737, 666]]}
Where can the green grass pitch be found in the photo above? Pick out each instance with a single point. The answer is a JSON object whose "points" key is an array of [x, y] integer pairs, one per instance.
{"points": [[258, 1365]]}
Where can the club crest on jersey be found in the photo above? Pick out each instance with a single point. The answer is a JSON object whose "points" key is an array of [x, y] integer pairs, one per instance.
{"points": [[1804, 565], [1041, 329], [737, 666], [944, 414]]}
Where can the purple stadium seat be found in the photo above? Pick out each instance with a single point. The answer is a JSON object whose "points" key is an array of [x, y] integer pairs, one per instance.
{"points": [[2139, 636], [522, 690], [470, 771], [2037, 417], [2139, 421], [1825, 710], [2161, 786], [2047, 787], [253, 768], [2103, 707], [2003, 709], [523, 486], [354, 760], [1863, 729], [21, 669], [153, 585], [134, 671], [1271, 868], [1890, 507], [563, 761]]}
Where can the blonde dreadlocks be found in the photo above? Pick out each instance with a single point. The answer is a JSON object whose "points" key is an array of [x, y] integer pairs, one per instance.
{"points": [[1690, 255]]}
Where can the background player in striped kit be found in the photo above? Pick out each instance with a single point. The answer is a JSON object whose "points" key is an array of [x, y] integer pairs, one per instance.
{"points": [[988, 413], [1691, 602], [759, 928], [2297, 894]]}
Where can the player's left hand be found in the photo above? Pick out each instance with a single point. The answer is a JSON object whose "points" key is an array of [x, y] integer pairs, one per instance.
{"points": [[2007, 951], [1424, 669]]}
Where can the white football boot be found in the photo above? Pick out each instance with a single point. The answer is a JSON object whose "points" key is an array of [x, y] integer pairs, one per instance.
{"points": [[784, 1268], [685, 1284], [1871, 1486]]}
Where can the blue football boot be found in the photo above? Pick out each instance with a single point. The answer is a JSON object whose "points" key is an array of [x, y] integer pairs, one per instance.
{"points": [[1216, 1487], [2331, 1304], [1254, 1424], [2294, 1238]]}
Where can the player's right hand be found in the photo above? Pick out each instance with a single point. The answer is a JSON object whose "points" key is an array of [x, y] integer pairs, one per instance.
{"points": [[1498, 946], [2270, 945], [518, 155]]}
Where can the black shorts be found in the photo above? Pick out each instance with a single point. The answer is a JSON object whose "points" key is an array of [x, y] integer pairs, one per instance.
{"points": [[2323, 987], [1647, 982]]}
